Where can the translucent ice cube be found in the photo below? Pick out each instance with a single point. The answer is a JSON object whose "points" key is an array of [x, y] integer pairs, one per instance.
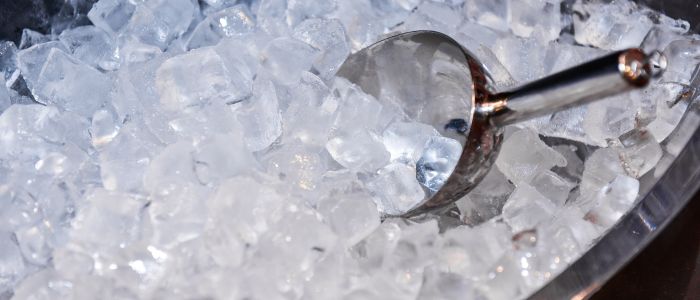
{"points": [[439, 158], [539, 19], [360, 151], [486, 200], [526, 208], [108, 219], [196, 78], [171, 168], [260, 116], [612, 26], [9, 70], [92, 46], [222, 156], [396, 189], [523, 156], [349, 211], [492, 14], [328, 36], [287, 58], [71, 85], [230, 22], [552, 186], [12, 267], [111, 15], [159, 22], [31, 38], [405, 141]]}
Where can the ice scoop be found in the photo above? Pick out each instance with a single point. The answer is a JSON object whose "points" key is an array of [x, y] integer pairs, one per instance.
{"points": [[432, 79]]}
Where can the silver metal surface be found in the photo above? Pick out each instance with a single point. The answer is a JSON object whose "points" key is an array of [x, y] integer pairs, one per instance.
{"points": [[408, 60]]}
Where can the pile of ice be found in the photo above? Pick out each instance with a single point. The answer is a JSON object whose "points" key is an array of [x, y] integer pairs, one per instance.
{"points": [[183, 149]]}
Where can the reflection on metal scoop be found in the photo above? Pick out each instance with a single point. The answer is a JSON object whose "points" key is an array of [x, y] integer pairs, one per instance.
{"points": [[434, 80]]}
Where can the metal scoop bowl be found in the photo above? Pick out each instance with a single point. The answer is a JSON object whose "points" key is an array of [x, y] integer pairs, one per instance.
{"points": [[435, 80]]}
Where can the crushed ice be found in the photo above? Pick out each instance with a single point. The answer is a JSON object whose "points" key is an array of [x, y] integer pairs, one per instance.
{"points": [[205, 149]]}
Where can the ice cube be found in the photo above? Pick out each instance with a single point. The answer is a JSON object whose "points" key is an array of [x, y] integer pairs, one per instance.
{"points": [[523, 156], [250, 215], [362, 24], [287, 58], [526, 208], [607, 120], [613, 26], [9, 71], [349, 211], [310, 115], [405, 141], [355, 108], [222, 156], [159, 22], [300, 10], [523, 57], [458, 256], [111, 15], [668, 115], [108, 219], [492, 14], [105, 126], [486, 200], [33, 243], [613, 200], [297, 166], [538, 19], [71, 85], [124, 160], [171, 168], [260, 116], [234, 21], [552, 186], [328, 36], [433, 16], [32, 60], [197, 78], [396, 189], [178, 217], [600, 169], [5, 100], [91, 46], [31, 38], [641, 156], [12, 267], [359, 151], [439, 158]]}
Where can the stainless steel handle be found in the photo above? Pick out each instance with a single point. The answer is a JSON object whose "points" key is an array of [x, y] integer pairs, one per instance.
{"points": [[611, 74]]}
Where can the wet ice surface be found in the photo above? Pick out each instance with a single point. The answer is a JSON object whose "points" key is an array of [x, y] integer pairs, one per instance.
{"points": [[180, 150]]}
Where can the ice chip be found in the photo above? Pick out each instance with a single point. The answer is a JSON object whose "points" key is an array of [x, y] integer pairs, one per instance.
{"points": [[396, 189], [405, 141], [439, 158], [523, 156], [91, 46], [260, 117], [287, 58], [328, 36], [234, 21], [72, 85], [359, 151], [111, 15], [196, 78], [526, 208], [492, 14], [159, 22]]}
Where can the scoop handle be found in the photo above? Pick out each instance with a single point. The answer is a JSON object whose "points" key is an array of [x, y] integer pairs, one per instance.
{"points": [[611, 74]]}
